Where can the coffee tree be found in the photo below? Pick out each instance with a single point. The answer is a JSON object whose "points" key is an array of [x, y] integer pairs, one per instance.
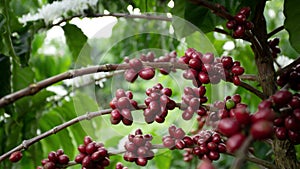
{"points": [[178, 84]]}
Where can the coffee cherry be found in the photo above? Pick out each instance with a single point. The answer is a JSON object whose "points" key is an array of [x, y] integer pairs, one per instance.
{"points": [[281, 133], [130, 75], [237, 70], [263, 114], [291, 123], [228, 126], [239, 31], [245, 11], [49, 165], [242, 116], [231, 24], [240, 18], [282, 97], [15, 156], [63, 159], [136, 64], [234, 142], [262, 130], [147, 73], [52, 156]]}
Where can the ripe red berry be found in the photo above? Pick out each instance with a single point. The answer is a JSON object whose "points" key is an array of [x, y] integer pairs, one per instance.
{"points": [[240, 18], [281, 133], [231, 24], [234, 142], [130, 75], [203, 77], [63, 159], [195, 64], [227, 62], [91, 148], [237, 70], [296, 113], [228, 126], [49, 165], [15, 156], [239, 32], [246, 11], [263, 114], [242, 116], [141, 161], [262, 130], [291, 123], [147, 73], [282, 97], [52, 156], [136, 64]]}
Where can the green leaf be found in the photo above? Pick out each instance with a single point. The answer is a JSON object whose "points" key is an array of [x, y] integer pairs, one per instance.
{"points": [[292, 22], [75, 39], [163, 160]]}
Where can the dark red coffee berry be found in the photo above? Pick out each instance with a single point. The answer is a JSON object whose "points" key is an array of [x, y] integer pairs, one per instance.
{"points": [[234, 142], [228, 126], [15, 156], [147, 73], [262, 130]]}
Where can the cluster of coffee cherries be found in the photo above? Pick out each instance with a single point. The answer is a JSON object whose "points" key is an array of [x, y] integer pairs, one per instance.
{"points": [[192, 100], [158, 103], [208, 146], [287, 125], [138, 148], [92, 155], [122, 104], [138, 69], [176, 139], [55, 160], [274, 47], [204, 68], [236, 120], [239, 23], [168, 57], [291, 77], [119, 165]]}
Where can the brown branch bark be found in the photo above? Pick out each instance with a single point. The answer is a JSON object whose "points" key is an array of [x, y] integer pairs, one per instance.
{"points": [[35, 88]]}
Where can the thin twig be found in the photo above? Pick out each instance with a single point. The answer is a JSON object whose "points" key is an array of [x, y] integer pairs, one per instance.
{"points": [[88, 116], [35, 88], [280, 28], [253, 90]]}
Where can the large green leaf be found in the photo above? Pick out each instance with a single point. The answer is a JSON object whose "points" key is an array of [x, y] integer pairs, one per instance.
{"points": [[292, 22], [75, 39]]}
